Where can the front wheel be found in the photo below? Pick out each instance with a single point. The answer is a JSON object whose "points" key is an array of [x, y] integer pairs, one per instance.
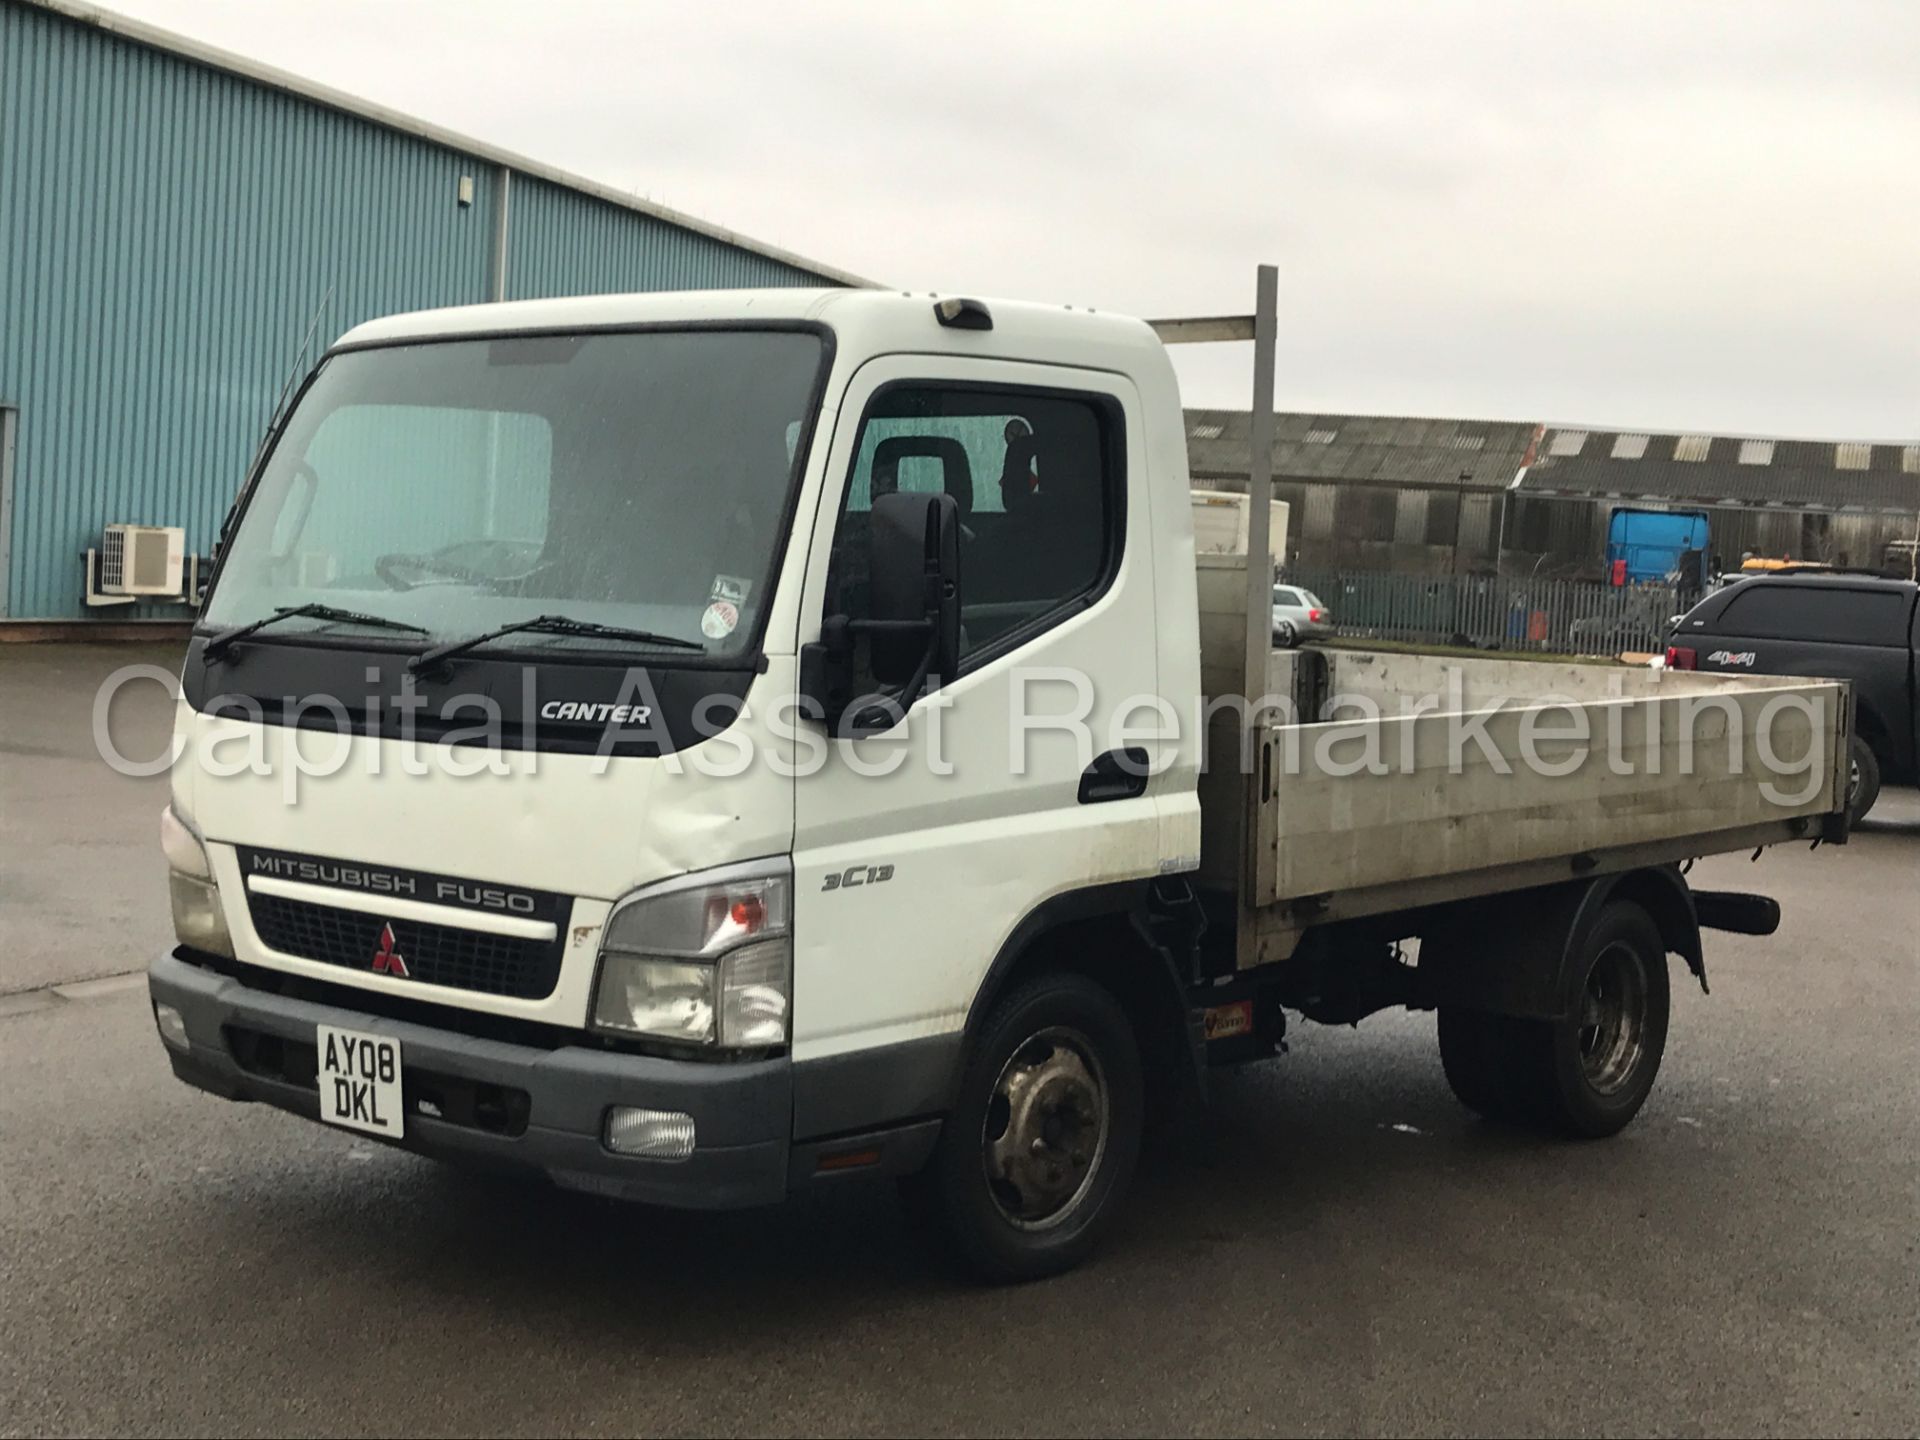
{"points": [[1042, 1141]]}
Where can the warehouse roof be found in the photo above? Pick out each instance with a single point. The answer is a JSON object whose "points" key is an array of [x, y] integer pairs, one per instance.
{"points": [[1535, 459], [215, 58], [1726, 470], [1480, 454]]}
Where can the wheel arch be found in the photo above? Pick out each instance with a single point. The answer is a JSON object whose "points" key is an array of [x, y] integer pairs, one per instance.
{"points": [[1661, 891], [1102, 933], [1489, 954], [1868, 725], [1899, 763], [919, 1079]]}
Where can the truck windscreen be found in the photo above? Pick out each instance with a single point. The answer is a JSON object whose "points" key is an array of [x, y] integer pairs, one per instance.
{"points": [[636, 479]]}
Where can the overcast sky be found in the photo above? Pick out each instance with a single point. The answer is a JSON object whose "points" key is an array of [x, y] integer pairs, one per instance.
{"points": [[1660, 214]]}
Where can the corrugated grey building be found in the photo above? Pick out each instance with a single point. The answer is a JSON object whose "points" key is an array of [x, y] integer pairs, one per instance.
{"points": [[1422, 496], [1839, 503], [1375, 492], [172, 220]]}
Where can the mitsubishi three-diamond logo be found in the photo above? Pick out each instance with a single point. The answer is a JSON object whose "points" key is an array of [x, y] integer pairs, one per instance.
{"points": [[387, 960]]}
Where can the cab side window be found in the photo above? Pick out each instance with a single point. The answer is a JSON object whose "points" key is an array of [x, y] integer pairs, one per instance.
{"points": [[1821, 613], [1036, 476]]}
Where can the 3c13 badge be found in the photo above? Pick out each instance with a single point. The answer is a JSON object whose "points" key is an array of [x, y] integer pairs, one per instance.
{"points": [[857, 875]]}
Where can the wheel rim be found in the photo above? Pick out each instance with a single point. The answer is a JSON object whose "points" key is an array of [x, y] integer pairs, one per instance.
{"points": [[1046, 1128], [1613, 1019]]}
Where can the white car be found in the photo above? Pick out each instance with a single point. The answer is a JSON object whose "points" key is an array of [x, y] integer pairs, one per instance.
{"points": [[1299, 615]]}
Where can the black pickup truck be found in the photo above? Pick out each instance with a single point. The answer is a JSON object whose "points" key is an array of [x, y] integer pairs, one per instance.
{"points": [[1861, 628]]}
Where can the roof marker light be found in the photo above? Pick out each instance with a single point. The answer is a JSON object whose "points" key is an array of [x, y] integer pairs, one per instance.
{"points": [[958, 314]]}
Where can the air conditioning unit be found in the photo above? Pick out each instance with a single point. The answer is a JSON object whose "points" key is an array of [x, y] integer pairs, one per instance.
{"points": [[142, 559]]}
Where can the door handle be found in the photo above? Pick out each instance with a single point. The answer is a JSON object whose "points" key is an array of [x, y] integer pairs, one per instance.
{"points": [[1116, 775]]}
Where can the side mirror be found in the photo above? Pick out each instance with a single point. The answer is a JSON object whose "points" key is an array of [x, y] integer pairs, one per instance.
{"points": [[913, 573]]}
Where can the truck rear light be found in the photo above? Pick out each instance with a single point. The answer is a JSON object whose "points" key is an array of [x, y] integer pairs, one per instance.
{"points": [[1682, 657]]}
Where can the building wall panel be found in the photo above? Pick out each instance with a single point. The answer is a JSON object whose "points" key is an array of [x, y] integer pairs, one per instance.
{"points": [[566, 243], [168, 231]]}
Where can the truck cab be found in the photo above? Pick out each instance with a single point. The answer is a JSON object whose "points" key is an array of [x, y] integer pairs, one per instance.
{"points": [[637, 910], [1657, 545]]}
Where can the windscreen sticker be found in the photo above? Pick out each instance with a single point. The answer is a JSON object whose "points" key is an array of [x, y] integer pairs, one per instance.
{"points": [[719, 620], [730, 588]]}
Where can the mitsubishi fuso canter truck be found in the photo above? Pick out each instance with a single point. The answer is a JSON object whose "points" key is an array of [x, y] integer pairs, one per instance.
{"points": [[700, 747]]}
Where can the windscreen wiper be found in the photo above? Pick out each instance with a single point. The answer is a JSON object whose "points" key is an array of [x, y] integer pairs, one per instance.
{"points": [[314, 611], [548, 625]]}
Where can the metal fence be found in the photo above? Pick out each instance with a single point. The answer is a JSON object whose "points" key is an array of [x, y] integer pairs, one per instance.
{"points": [[1568, 617]]}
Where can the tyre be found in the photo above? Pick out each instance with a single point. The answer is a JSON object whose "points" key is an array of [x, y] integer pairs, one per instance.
{"points": [[1585, 1075], [1045, 1131], [1285, 636], [1475, 1052], [1863, 779]]}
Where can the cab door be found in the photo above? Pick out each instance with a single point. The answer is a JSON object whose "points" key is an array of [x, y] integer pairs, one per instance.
{"points": [[918, 851]]}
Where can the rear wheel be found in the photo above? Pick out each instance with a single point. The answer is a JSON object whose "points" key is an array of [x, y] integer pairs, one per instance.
{"points": [[1476, 1049], [1043, 1138], [1603, 1058], [1285, 636], [1863, 779], [1588, 1073]]}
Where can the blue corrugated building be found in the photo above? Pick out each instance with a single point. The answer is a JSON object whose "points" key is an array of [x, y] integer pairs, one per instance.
{"points": [[172, 218]]}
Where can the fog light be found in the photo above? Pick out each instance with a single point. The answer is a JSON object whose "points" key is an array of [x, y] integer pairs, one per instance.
{"points": [[173, 1026], [654, 1134]]}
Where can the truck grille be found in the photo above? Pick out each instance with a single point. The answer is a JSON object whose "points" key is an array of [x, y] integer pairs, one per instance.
{"points": [[434, 954]]}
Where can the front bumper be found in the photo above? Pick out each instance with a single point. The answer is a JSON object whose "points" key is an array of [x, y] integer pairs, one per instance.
{"points": [[742, 1112]]}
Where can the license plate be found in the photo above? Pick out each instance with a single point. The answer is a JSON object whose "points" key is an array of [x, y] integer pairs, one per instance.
{"points": [[359, 1078]]}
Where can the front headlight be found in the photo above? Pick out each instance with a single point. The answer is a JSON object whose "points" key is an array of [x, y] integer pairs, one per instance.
{"points": [[705, 961], [198, 919]]}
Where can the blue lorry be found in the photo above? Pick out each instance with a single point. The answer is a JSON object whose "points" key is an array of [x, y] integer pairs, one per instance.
{"points": [[1654, 544]]}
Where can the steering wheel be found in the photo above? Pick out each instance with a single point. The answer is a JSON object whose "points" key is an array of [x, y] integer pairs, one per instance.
{"points": [[449, 573], [492, 564]]}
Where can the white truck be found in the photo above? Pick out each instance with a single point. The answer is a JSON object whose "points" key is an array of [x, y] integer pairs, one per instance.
{"points": [[1220, 525], [703, 746]]}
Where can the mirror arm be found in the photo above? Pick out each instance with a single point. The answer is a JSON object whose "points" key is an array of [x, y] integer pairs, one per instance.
{"points": [[886, 711], [883, 712], [824, 669], [826, 665], [823, 663]]}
